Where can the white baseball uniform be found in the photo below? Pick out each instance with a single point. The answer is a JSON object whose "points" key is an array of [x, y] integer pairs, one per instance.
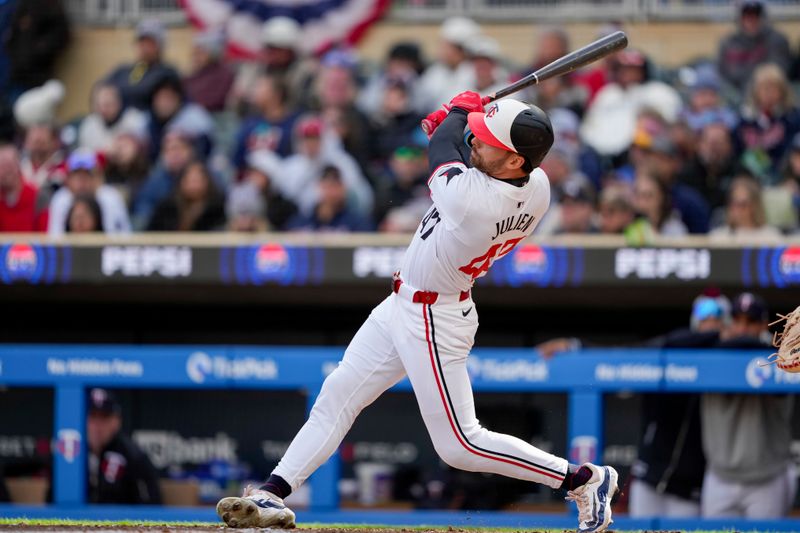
{"points": [[426, 329]]}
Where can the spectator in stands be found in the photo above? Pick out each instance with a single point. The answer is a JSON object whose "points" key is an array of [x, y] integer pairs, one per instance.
{"points": [[211, 79], [108, 118], [744, 215], [559, 165], [404, 61], [661, 159], [705, 104], [486, 56], [262, 166], [245, 209], [272, 125], [396, 124], [118, 471], [769, 121], [336, 91], [598, 74], [331, 213], [38, 33], [610, 120], [177, 151], [560, 91], [753, 43], [405, 185], [652, 199], [565, 128], [170, 110], [85, 178], [452, 70], [576, 208], [195, 206], [782, 201], [43, 161], [280, 55], [616, 211], [713, 166], [85, 215], [137, 81], [127, 164], [747, 438], [317, 147], [21, 209]]}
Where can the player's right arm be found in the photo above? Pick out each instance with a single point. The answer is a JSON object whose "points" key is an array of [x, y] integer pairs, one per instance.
{"points": [[447, 138], [447, 142]]}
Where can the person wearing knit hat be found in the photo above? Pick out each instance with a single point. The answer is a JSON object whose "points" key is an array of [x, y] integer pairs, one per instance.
{"points": [[211, 78], [754, 43], [282, 53], [137, 80], [453, 70]]}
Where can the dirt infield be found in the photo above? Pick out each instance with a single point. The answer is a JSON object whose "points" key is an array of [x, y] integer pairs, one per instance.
{"points": [[112, 528]]}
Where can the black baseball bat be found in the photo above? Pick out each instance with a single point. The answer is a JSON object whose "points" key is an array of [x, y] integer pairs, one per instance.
{"points": [[563, 65]]}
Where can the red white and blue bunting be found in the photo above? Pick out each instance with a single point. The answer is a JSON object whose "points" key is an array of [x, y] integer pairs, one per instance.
{"points": [[325, 23]]}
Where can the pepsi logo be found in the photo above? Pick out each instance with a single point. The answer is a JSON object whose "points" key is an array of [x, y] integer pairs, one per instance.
{"points": [[271, 259], [789, 263], [530, 259], [21, 260]]}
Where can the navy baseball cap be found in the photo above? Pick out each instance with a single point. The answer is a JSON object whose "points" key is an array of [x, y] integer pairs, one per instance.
{"points": [[750, 305], [104, 402]]}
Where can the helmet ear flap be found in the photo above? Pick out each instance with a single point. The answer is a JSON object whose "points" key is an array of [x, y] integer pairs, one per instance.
{"points": [[468, 136]]}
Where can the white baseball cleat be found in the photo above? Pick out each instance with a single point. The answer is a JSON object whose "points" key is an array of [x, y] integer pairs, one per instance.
{"points": [[594, 498], [256, 508]]}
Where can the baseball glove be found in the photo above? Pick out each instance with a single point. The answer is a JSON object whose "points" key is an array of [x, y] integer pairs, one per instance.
{"points": [[787, 342]]}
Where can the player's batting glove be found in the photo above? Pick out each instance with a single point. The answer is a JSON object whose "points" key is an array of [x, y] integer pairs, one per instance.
{"points": [[469, 101], [432, 121]]}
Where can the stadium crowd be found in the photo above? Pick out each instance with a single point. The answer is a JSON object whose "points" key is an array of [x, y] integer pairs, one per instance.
{"points": [[291, 142]]}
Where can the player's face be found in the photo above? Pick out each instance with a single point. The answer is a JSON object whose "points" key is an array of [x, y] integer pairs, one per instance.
{"points": [[487, 158], [100, 429]]}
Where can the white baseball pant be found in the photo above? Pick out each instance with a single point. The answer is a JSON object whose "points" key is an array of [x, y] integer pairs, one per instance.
{"points": [[429, 343], [770, 499], [645, 501]]}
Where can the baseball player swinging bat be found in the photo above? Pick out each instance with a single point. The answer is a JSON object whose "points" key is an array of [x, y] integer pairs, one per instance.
{"points": [[488, 195]]}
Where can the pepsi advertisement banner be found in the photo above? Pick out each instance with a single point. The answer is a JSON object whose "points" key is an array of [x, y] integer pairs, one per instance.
{"points": [[272, 263]]}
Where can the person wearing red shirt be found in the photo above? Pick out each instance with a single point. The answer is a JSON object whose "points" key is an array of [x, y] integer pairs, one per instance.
{"points": [[20, 209]]}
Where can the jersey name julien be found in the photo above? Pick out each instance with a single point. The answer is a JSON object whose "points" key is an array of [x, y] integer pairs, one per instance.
{"points": [[474, 220]]}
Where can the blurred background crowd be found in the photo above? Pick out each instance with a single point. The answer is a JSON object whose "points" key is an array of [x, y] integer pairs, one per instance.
{"points": [[292, 141]]}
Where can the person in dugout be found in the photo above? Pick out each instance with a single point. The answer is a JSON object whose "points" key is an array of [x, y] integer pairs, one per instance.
{"points": [[119, 472]]}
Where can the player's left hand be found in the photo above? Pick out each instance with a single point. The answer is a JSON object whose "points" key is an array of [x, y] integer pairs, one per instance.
{"points": [[432, 121], [469, 101]]}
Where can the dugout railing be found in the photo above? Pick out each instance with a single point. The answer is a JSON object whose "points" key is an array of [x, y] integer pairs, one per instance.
{"points": [[585, 377]]}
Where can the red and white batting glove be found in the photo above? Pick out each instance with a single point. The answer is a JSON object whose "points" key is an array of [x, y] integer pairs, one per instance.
{"points": [[432, 121], [469, 101]]}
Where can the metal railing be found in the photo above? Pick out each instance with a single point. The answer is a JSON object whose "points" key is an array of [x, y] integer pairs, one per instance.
{"points": [[124, 12], [128, 12]]}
